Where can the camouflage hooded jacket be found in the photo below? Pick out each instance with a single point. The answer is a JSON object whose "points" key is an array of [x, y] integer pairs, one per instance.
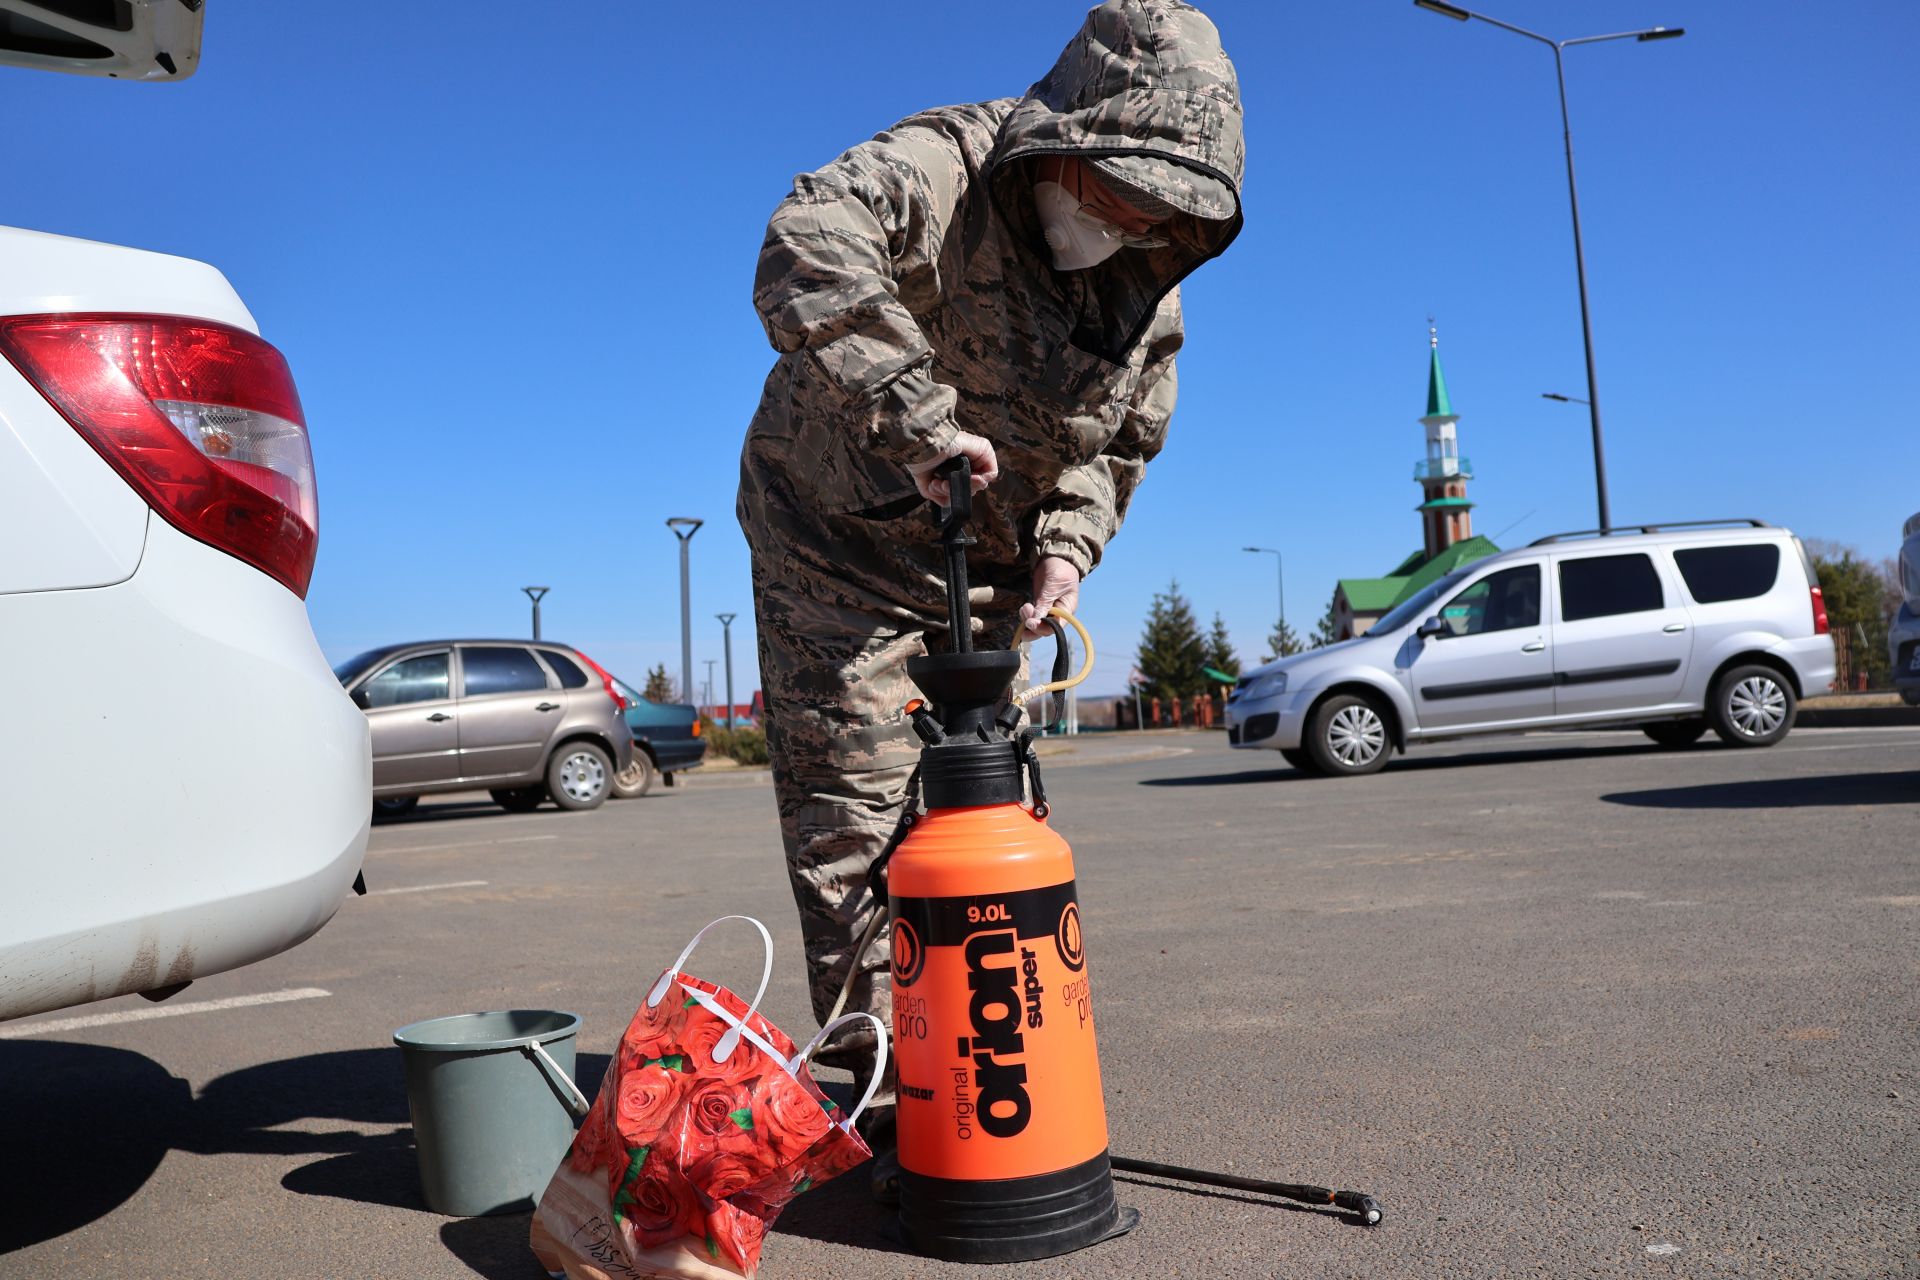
{"points": [[911, 295]]}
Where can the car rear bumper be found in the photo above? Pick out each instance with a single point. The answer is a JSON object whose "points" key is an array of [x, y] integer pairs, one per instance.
{"points": [[672, 757], [188, 785]]}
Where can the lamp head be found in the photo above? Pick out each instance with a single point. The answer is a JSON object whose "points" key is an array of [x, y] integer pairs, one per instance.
{"points": [[1443, 9]]}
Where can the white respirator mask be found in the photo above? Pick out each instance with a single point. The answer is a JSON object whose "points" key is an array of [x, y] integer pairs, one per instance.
{"points": [[1078, 239]]}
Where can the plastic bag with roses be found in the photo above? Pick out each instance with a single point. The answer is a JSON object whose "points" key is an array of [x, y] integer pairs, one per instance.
{"points": [[706, 1124]]}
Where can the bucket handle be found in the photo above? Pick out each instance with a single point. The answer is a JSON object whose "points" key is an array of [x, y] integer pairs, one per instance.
{"points": [[879, 1061], [576, 1100], [731, 1040]]}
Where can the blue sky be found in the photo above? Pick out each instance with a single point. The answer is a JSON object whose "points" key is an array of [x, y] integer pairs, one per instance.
{"points": [[509, 258]]}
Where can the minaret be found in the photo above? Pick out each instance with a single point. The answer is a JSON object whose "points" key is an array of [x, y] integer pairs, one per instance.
{"points": [[1443, 473]]}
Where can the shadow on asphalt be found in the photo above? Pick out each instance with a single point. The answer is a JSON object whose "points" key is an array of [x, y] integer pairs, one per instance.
{"points": [[88, 1125], [494, 1247], [461, 810], [84, 1128], [1417, 762], [1781, 793]]}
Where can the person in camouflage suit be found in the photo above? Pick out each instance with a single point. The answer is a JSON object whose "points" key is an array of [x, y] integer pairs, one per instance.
{"points": [[923, 308]]}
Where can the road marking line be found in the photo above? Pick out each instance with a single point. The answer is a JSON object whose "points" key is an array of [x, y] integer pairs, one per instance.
{"points": [[469, 844], [428, 888], [159, 1011]]}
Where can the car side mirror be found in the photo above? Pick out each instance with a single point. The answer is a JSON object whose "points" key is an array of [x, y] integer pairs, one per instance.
{"points": [[1434, 628], [361, 700]]}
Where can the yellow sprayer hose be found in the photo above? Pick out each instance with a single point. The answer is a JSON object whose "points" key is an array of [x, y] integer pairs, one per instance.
{"points": [[1086, 668]]}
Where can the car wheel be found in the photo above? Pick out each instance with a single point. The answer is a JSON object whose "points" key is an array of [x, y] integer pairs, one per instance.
{"points": [[636, 779], [1676, 733], [1299, 759], [580, 776], [519, 799], [1347, 737], [1751, 707], [393, 806]]}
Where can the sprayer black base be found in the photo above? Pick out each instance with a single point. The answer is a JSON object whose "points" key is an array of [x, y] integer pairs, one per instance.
{"points": [[1013, 1219]]}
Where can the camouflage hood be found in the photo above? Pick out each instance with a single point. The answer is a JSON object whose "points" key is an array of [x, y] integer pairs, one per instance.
{"points": [[1145, 90]]}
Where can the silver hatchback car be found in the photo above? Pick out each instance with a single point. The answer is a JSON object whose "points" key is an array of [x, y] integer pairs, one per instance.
{"points": [[1675, 628], [527, 721]]}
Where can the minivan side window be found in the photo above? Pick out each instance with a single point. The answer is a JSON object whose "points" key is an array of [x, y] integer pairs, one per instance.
{"points": [[1602, 586], [418, 679], [500, 670], [1715, 574], [571, 676], [1502, 601]]}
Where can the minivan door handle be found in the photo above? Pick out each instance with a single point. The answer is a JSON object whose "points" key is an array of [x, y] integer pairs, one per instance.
{"points": [[548, 706], [438, 716], [1674, 628], [1535, 647]]}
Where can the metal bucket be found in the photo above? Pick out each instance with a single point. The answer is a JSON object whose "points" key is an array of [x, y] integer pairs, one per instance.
{"points": [[493, 1100]]}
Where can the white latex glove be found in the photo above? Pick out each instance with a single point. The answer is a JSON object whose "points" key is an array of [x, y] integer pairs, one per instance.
{"points": [[979, 451], [1055, 582]]}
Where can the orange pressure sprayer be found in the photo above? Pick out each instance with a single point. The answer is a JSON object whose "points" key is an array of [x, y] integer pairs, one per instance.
{"points": [[1001, 1123]]}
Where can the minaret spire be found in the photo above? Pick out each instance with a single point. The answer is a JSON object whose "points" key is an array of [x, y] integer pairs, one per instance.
{"points": [[1443, 473]]}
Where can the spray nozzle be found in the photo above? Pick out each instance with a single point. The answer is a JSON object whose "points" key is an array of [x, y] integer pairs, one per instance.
{"points": [[924, 724]]}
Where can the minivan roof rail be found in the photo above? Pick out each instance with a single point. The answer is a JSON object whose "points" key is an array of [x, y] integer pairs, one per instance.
{"points": [[1746, 521]]}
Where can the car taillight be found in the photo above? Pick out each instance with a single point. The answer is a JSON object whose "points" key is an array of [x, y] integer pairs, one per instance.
{"points": [[696, 726], [1819, 612], [202, 419], [620, 704]]}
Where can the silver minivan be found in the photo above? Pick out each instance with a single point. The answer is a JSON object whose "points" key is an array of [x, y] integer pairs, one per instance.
{"points": [[1674, 628], [526, 722]]}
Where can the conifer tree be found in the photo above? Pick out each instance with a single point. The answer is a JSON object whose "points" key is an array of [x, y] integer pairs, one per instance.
{"points": [[1172, 650], [1325, 631], [660, 686], [1220, 654], [1284, 642]]}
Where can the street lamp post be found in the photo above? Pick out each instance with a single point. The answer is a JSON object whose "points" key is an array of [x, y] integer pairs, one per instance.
{"points": [[726, 631], [1280, 576], [691, 526], [534, 594], [1573, 196], [710, 662]]}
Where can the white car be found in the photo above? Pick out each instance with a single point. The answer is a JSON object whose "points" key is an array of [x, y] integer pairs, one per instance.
{"points": [[1903, 637], [187, 788], [1675, 628]]}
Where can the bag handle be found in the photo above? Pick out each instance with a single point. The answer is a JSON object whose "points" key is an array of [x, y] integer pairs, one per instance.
{"points": [[576, 1101], [879, 1061], [728, 1042]]}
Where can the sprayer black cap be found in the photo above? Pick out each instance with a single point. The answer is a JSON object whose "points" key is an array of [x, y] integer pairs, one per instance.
{"points": [[976, 763]]}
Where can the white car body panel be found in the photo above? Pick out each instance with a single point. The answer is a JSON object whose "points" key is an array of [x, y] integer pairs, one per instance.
{"points": [[187, 786]]}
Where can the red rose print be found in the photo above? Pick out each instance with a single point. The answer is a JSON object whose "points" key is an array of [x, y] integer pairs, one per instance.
{"points": [[700, 1035], [659, 1203], [789, 1119], [738, 1234], [721, 1173], [646, 1103]]}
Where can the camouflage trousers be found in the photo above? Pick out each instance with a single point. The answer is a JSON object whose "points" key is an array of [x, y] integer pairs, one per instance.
{"points": [[840, 604]]}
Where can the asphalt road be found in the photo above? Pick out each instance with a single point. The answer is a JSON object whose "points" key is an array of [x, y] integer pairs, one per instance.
{"points": [[1568, 1005]]}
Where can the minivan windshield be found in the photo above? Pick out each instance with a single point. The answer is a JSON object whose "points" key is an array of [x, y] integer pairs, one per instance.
{"points": [[1404, 612]]}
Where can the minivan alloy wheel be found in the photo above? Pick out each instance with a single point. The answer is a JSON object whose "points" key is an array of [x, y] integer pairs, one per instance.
{"points": [[1757, 706], [1356, 735]]}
